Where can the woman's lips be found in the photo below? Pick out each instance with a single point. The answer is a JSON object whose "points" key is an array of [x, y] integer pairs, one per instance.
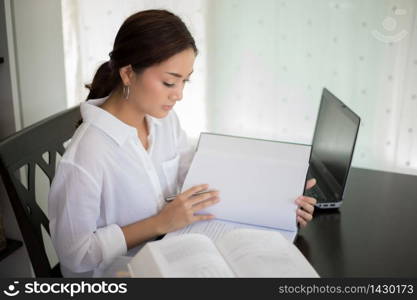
{"points": [[167, 107]]}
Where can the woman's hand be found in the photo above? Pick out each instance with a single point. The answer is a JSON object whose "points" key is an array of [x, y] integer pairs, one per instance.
{"points": [[182, 210], [306, 206]]}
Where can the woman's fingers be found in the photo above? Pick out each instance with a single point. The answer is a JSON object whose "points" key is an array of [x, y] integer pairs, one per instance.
{"points": [[195, 189], [310, 183], [307, 207], [307, 203], [309, 200], [304, 215], [301, 221], [203, 204], [202, 217], [202, 197]]}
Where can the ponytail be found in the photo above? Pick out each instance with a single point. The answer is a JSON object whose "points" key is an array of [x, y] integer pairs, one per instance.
{"points": [[145, 38], [104, 82]]}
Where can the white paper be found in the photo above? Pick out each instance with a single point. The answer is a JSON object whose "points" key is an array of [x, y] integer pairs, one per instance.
{"points": [[258, 180], [215, 229]]}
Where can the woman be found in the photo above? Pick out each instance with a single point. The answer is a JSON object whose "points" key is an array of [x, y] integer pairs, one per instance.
{"points": [[130, 152]]}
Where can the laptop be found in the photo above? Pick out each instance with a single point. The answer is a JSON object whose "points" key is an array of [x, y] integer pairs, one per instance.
{"points": [[332, 150]]}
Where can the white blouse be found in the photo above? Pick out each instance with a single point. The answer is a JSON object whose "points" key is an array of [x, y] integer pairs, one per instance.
{"points": [[107, 179]]}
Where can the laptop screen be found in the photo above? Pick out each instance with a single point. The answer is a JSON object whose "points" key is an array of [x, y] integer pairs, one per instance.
{"points": [[334, 141]]}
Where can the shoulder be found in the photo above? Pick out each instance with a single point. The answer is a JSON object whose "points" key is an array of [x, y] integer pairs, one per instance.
{"points": [[88, 148]]}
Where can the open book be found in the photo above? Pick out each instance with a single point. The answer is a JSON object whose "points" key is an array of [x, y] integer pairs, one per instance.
{"points": [[238, 253], [258, 180]]}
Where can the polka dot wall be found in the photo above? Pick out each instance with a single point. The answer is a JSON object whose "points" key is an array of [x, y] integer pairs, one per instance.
{"points": [[263, 64], [274, 57]]}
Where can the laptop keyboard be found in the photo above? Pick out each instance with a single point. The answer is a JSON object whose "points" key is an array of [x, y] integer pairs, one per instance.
{"points": [[315, 192]]}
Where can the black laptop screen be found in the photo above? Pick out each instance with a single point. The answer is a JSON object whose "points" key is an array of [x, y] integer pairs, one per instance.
{"points": [[334, 138]]}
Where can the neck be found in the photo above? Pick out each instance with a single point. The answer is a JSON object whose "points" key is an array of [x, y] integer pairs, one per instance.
{"points": [[124, 111]]}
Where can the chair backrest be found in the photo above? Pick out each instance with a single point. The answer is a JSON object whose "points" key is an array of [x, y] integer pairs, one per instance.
{"points": [[26, 149]]}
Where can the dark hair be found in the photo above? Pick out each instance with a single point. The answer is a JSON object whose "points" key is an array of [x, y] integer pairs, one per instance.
{"points": [[145, 38]]}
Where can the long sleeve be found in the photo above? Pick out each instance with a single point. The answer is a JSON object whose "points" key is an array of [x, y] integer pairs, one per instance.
{"points": [[74, 208]]}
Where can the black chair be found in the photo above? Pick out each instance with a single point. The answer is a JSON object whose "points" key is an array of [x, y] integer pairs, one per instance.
{"points": [[26, 149]]}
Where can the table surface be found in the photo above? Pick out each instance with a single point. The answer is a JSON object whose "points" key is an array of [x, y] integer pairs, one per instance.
{"points": [[373, 233]]}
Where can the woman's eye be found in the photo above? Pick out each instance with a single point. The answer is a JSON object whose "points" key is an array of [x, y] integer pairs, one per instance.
{"points": [[169, 84], [173, 84]]}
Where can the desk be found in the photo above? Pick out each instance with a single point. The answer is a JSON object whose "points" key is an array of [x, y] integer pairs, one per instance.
{"points": [[373, 234]]}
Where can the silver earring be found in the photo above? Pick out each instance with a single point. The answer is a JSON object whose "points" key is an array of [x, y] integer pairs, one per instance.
{"points": [[126, 91]]}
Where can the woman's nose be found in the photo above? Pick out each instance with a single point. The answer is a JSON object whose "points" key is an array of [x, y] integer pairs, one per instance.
{"points": [[176, 95]]}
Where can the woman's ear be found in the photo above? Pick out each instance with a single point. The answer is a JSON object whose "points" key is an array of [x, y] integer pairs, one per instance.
{"points": [[127, 74]]}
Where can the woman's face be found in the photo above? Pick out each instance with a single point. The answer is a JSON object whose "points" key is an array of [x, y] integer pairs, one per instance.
{"points": [[156, 90]]}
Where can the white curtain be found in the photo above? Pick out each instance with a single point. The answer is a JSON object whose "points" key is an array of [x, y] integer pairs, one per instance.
{"points": [[264, 63]]}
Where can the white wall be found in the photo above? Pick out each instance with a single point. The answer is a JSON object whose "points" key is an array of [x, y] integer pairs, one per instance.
{"points": [[264, 63], [40, 58], [269, 60], [34, 32], [17, 264]]}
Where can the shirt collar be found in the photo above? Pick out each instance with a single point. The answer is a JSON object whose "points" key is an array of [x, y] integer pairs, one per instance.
{"points": [[109, 124]]}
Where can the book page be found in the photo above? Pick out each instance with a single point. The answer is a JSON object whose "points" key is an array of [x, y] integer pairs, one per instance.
{"points": [[258, 190], [215, 229], [259, 253], [190, 255], [144, 264]]}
